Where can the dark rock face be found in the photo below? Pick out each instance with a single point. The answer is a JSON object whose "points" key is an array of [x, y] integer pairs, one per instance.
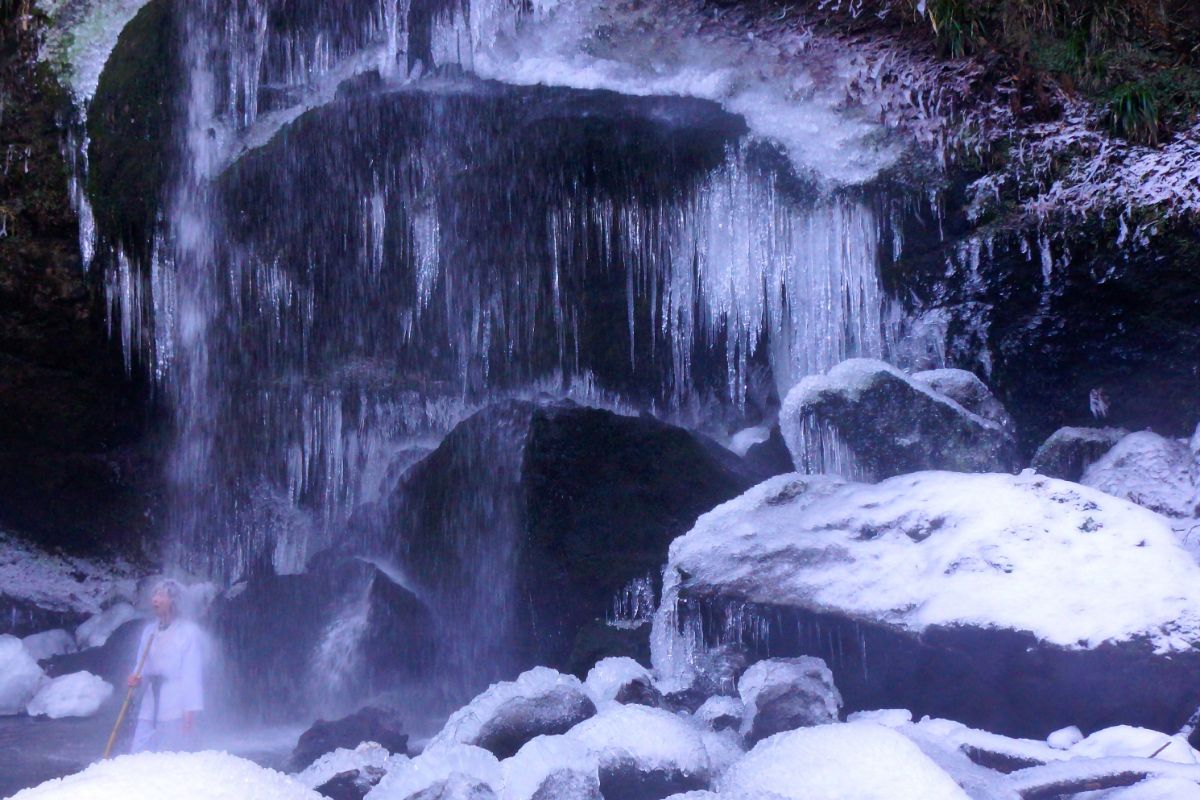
{"points": [[68, 475], [272, 630], [1070, 451], [22, 618], [368, 724], [966, 389], [527, 521], [1001, 681], [627, 782], [770, 458], [114, 661], [889, 423]]}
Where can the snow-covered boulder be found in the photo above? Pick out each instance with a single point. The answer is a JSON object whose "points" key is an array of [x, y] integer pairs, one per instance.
{"points": [[443, 772], [966, 389], [540, 702], [1152, 789], [365, 765], [171, 776], [20, 675], [851, 761], [1018, 604], [782, 694], [648, 753], [380, 726], [721, 713], [1126, 740], [1065, 738], [95, 631], [1070, 451], [1152, 471], [552, 768], [867, 418], [77, 695], [623, 680], [49, 643]]}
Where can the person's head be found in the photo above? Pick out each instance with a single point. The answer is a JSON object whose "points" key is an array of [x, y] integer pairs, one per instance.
{"points": [[164, 599]]}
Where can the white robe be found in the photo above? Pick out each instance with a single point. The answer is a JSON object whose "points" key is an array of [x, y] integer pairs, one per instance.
{"points": [[176, 663]]}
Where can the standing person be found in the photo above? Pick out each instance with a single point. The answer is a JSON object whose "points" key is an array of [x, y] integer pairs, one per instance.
{"points": [[173, 650]]}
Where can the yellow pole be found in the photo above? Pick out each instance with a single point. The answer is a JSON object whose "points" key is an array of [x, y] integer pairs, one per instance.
{"points": [[112, 739]]}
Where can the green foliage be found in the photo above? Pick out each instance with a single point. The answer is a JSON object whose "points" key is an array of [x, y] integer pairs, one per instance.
{"points": [[1133, 113], [957, 26]]}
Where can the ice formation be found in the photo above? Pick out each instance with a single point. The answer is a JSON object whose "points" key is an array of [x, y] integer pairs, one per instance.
{"points": [[79, 694]]}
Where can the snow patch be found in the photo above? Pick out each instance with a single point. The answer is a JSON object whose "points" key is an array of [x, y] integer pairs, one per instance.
{"points": [[367, 754], [79, 694], [49, 643], [438, 764], [20, 675], [61, 583], [95, 631]]}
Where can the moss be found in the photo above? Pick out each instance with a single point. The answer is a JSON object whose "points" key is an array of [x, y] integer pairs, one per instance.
{"points": [[130, 127]]}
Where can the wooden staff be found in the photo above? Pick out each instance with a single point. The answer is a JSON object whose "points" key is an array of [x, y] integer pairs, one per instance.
{"points": [[112, 739]]}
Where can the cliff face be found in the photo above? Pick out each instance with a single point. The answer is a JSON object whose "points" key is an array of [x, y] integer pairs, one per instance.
{"points": [[71, 470]]}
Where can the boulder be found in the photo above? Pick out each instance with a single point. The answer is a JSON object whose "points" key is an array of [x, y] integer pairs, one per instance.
{"points": [[647, 753], [77, 695], [346, 774], [529, 519], [845, 761], [966, 389], [540, 702], [1153, 471], [94, 632], [43, 645], [1070, 451], [782, 694], [868, 419], [770, 457], [443, 772], [113, 661], [1017, 604], [337, 632], [20, 676], [721, 713], [552, 768], [379, 726], [622, 680]]}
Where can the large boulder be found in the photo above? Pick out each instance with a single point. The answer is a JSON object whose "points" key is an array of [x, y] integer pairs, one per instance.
{"points": [[77, 695], [113, 661], [334, 633], [552, 768], [622, 680], [966, 389], [865, 418], [443, 772], [782, 694], [1019, 604], [540, 702], [1070, 451], [20, 675], [1153, 471], [370, 724], [529, 519], [851, 761], [348, 774]]}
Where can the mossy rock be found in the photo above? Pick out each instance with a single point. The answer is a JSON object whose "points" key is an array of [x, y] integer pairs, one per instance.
{"points": [[130, 125]]}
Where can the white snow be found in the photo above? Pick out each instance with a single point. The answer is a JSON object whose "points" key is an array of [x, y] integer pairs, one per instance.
{"points": [[79, 694], [439, 763], [172, 776], [1126, 740], [887, 717], [1072, 565], [845, 761], [95, 631], [82, 35], [49, 643], [1065, 738], [805, 673], [540, 685], [526, 771], [20, 675], [1152, 789], [649, 738], [367, 754], [606, 679], [1150, 470], [743, 440], [61, 583], [720, 707]]}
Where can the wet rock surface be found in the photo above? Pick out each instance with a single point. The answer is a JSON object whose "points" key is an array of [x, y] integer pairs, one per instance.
{"points": [[784, 694], [368, 724], [1070, 451]]}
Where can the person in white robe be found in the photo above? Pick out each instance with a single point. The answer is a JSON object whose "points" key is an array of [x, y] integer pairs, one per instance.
{"points": [[173, 677]]}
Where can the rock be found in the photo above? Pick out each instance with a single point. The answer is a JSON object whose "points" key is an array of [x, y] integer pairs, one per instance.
{"points": [[370, 724], [345, 773], [645, 753], [721, 713], [850, 761], [541, 495], [49, 643], [881, 423], [340, 631], [770, 457], [77, 695], [20, 676], [540, 702], [350, 785], [782, 694], [112, 661], [1016, 604], [552, 768], [95, 631], [1155, 472], [600, 639], [622, 680], [1126, 740], [966, 389], [443, 772], [1065, 738], [1070, 451]]}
